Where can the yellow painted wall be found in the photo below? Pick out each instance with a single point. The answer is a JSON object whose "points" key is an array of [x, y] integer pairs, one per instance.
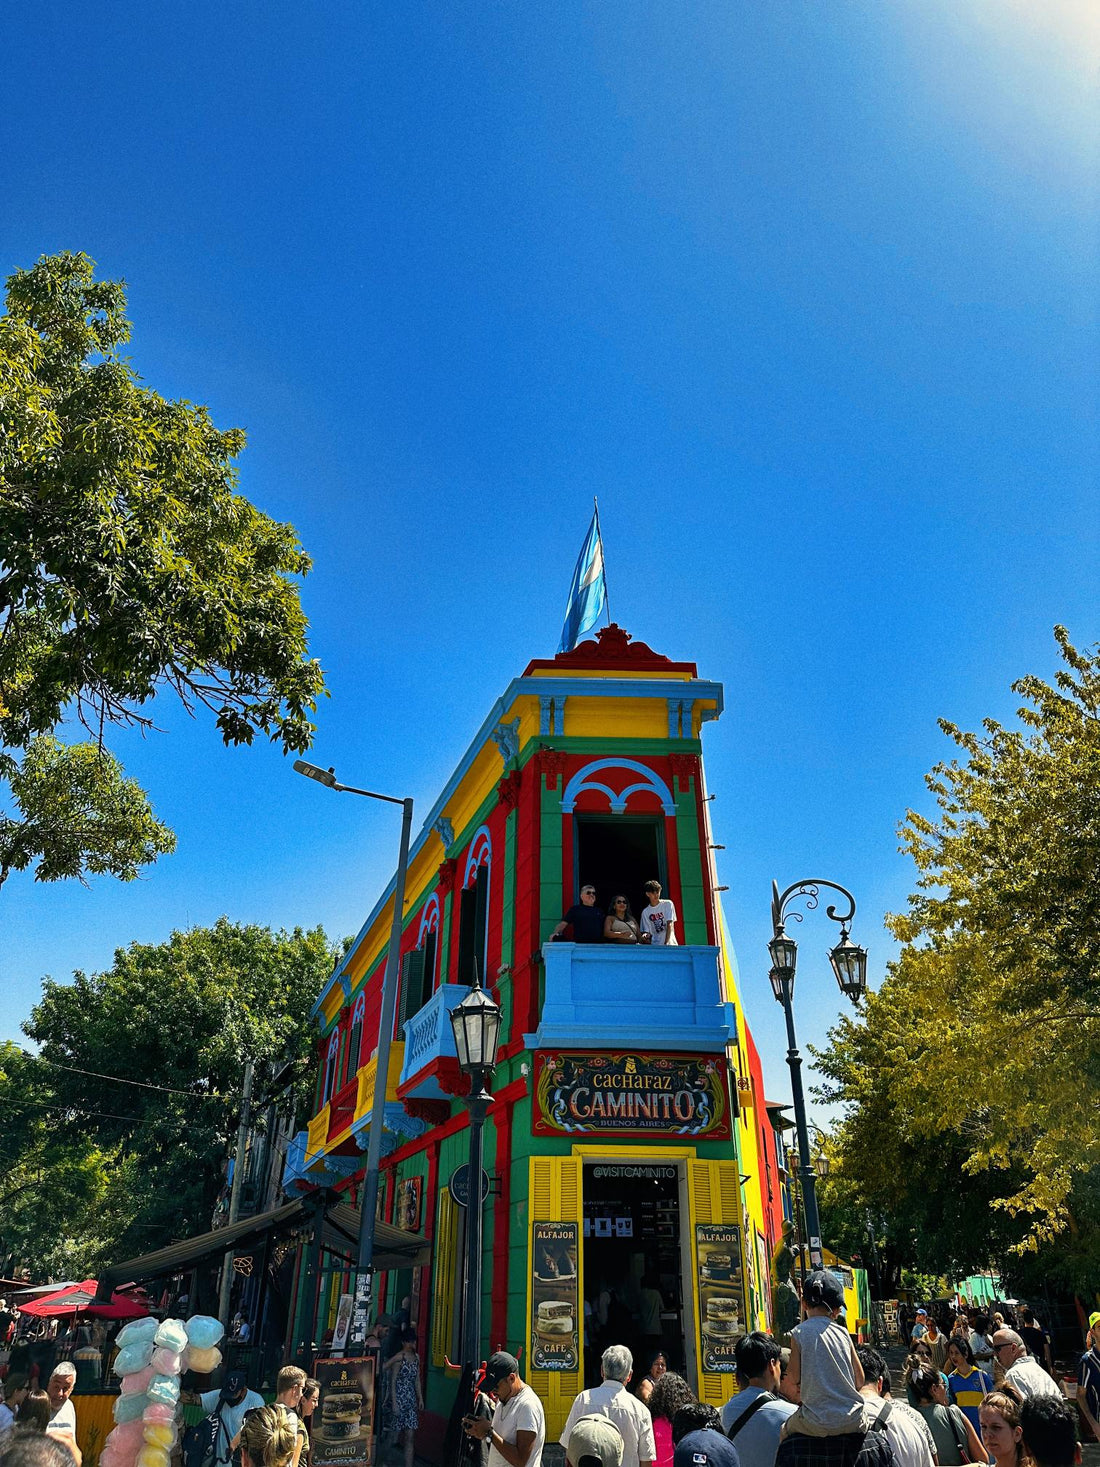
{"points": [[752, 1163]]}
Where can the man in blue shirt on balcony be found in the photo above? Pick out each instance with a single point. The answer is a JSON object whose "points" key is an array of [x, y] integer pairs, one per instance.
{"points": [[586, 919]]}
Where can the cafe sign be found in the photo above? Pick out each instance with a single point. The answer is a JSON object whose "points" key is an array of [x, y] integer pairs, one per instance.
{"points": [[586, 1093]]}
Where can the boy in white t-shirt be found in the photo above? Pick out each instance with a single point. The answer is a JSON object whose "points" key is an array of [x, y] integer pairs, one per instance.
{"points": [[658, 919]]}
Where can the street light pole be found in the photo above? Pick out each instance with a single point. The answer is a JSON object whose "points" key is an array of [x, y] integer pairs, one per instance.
{"points": [[368, 1200], [476, 1025], [849, 964]]}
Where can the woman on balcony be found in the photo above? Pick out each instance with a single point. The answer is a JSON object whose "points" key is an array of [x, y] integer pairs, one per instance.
{"points": [[619, 924]]}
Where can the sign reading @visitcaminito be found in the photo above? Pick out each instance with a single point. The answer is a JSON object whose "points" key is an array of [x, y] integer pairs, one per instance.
{"points": [[588, 1093]]}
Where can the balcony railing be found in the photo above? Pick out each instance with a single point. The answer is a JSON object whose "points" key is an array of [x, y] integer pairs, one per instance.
{"points": [[429, 1038], [342, 1108], [652, 998]]}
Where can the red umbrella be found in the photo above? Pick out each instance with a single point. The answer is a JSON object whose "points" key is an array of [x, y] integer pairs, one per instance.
{"points": [[80, 1299]]}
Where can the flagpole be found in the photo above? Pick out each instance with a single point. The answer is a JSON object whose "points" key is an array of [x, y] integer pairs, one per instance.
{"points": [[603, 558]]}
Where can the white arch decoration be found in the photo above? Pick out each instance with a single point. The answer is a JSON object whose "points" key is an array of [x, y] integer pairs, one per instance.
{"points": [[481, 854], [651, 782], [429, 919]]}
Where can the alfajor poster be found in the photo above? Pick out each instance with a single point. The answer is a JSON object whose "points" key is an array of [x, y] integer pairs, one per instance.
{"points": [[721, 1294], [555, 1297], [343, 1421]]}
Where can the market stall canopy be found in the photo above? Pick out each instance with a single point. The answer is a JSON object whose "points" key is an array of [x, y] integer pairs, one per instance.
{"points": [[393, 1248], [81, 1299]]}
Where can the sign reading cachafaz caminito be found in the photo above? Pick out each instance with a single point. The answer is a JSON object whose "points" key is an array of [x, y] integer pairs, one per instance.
{"points": [[586, 1093]]}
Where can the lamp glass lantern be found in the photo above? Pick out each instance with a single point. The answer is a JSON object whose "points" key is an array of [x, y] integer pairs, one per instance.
{"points": [[476, 1025], [821, 1165], [849, 963], [784, 955]]}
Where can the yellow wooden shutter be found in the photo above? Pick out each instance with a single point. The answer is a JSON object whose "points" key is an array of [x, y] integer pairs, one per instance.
{"points": [[443, 1276], [555, 1196], [715, 1197]]}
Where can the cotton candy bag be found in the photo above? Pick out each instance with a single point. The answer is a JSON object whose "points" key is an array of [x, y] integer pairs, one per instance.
{"points": [[204, 1331]]}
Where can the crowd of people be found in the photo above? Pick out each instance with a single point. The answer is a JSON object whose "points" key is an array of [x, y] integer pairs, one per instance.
{"points": [[823, 1403]]}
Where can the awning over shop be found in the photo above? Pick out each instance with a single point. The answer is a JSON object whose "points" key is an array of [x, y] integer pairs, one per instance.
{"points": [[393, 1247]]}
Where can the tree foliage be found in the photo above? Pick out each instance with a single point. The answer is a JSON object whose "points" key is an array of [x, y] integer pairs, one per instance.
{"points": [[971, 1075], [129, 565], [181, 1018]]}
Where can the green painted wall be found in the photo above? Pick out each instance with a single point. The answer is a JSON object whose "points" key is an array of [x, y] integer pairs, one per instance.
{"points": [[550, 822], [693, 912]]}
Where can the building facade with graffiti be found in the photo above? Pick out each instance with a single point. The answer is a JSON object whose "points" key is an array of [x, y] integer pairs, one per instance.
{"points": [[631, 1155]]}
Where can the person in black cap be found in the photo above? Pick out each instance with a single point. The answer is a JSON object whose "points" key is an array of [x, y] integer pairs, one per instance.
{"points": [[230, 1403], [824, 1373], [517, 1432]]}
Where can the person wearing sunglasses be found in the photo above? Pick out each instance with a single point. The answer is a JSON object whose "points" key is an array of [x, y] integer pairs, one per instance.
{"points": [[620, 925]]}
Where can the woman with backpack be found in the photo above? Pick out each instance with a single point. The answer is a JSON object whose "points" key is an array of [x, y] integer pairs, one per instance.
{"points": [[956, 1440]]}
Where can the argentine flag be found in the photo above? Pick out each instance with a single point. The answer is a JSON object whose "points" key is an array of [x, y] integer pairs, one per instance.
{"points": [[588, 593]]}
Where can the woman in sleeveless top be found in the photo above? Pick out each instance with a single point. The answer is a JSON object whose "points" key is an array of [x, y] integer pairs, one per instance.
{"points": [[619, 924]]}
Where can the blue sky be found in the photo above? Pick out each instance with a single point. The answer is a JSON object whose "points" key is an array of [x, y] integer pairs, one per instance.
{"points": [[806, 293]]}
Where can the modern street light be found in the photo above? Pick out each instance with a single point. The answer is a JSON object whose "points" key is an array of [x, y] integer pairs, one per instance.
{"points": [[476, 1024], [368, 1200], [849, 963]]}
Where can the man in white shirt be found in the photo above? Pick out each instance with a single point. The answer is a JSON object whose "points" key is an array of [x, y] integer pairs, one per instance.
{"points": [[62, 1411], [517, 1432], [613, 1400], [1025, 1375], [906, 1430], [658, 919]]}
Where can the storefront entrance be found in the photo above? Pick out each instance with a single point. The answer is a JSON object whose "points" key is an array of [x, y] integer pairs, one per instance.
{"points": [[633, 1261]]}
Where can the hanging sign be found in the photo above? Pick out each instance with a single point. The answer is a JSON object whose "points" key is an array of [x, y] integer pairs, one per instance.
{"points": [[721, 1294], [587, 1093], [459, 1185], [555, 1299]]}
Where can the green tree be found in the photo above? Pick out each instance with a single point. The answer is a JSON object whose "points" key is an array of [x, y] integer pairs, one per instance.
{"points": [[129, 565], [970, 1077], [180, 1018]]}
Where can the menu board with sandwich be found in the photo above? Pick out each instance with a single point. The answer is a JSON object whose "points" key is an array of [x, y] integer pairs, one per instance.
{"points": [[555, 1296], [721, 1294], [343, 1423]]}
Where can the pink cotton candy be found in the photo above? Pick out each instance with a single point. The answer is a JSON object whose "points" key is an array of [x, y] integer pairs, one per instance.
{"points": [[158, 1412], [165, 1361], [138, 1381], [128, 1437]]}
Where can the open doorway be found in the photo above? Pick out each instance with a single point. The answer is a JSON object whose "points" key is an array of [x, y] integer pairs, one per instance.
{"points": [[618, 854], [632, 1263]]}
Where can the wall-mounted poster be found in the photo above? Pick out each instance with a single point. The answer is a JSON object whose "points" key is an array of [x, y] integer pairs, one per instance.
{"points": [[406, 1213], [343, 1323], [721, 1293], [555, 1296], [590, 1094], [343, 1430]]}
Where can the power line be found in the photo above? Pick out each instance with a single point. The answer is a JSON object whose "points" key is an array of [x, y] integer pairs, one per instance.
{"points": [[118, 1079], [45, 1105]]}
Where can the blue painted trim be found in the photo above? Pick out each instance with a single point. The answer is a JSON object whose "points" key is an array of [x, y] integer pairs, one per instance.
{"points": [[691, 690], [652, 782]]}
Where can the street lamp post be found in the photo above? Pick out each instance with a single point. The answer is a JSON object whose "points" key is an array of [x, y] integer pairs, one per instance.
{"points": [[849, 964], [476, 1024], [368, 1200]]}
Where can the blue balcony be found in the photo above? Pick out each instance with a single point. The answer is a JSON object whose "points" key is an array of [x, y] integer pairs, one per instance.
{"points": [[601, 995], [304, 1169], [430, 1067]]}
